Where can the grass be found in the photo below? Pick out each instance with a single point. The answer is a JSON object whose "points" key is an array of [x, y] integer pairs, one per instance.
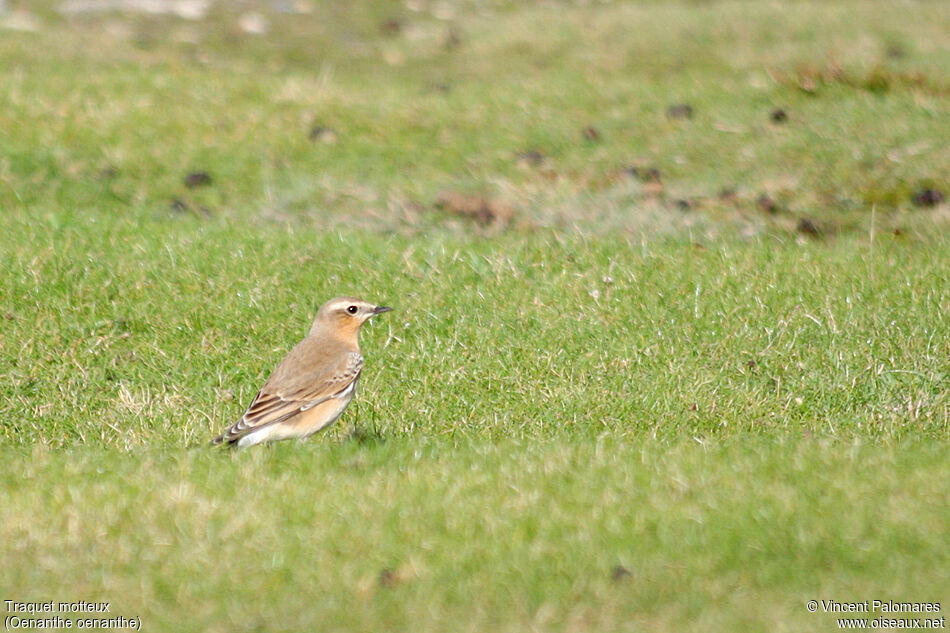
{"points": [[423, 534], [434, 117], [541, 338], [636, 406]]}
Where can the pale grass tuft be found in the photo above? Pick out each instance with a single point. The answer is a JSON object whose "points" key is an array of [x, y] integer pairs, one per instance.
{"points": [[144, 401]]}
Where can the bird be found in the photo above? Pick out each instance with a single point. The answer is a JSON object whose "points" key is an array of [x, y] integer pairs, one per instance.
{"points": [[313, 384]]}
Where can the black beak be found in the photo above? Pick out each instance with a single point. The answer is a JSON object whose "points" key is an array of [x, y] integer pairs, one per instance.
{"points": [[381, 309]]}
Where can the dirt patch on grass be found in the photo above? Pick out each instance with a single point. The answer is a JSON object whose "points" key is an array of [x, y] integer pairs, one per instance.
{"points": [[484, 211], [879, 79]]}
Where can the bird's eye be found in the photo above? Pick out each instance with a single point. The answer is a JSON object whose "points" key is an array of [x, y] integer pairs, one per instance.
{"points": [[352, 309]]}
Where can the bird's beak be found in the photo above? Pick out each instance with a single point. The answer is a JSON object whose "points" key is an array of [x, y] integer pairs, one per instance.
{"points": [[381, 309]]}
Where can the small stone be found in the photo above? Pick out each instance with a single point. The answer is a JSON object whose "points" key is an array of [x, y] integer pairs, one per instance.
{"points": [[390, 27], [680, 111], [643, 174], [896, 52], [779, 115], [728, 194], [806, 226], [620, 573], [928, 198], [108, 173], [197, 179], [591, 134], [321, 134], [767, 204], [387, 578], [529, 158]]}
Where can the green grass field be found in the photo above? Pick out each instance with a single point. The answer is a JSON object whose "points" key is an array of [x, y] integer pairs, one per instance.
{"points": [[687, 370]]}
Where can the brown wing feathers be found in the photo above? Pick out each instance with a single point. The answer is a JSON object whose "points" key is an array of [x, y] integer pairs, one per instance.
{"points": [[304, 390]]}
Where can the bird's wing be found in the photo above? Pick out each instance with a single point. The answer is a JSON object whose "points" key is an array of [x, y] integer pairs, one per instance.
{"points": [[279, 400]]}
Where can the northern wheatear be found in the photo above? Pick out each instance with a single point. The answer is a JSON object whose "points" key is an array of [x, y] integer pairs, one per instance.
{"points": [[313, 383]]}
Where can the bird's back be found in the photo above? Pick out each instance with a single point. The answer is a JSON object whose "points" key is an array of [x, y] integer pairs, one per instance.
{"points": [[317, 355]]}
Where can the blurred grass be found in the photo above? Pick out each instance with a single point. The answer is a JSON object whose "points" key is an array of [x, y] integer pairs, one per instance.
{"points": [[417, 111], [640, 405], [610, 535]]}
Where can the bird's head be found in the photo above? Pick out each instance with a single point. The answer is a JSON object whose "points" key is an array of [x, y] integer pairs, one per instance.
{"points": [[346, 314]]}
